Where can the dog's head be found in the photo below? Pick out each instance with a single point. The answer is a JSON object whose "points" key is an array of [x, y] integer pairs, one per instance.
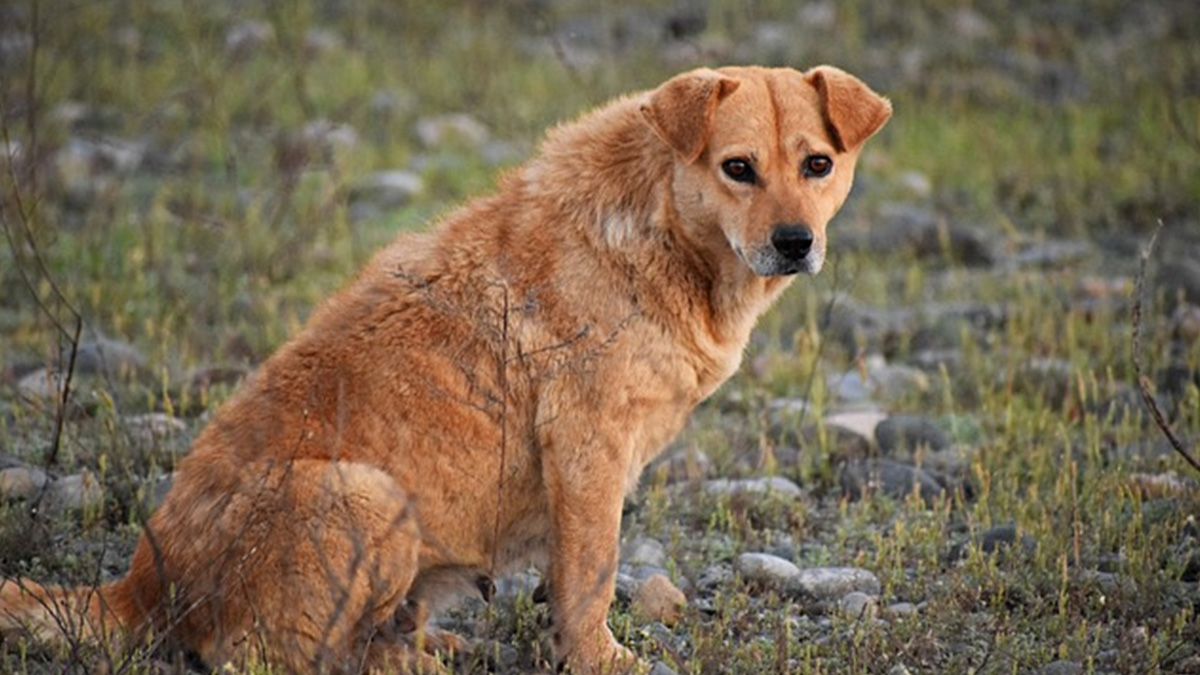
{"points": [[764, 157]]}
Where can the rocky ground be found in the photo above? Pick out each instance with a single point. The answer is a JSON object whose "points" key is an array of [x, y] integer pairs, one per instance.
{"points": [[934, 459]]}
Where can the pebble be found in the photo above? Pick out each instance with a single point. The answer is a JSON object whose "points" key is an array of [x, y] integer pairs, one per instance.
{"points": [[1061, 667], [21, 483], [900, 610], [644, 551], [80, 492], [384, 191], [152, 427], [863, 477], [859, 605], [830, 584], [660, 668], [996, 539], [765, 569], [906, 434], [436, 130], [863, 424], [776, 485], [657, 599]]}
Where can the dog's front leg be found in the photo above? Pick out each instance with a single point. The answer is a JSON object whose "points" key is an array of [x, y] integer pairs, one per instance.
{"points": [[585, 478]]}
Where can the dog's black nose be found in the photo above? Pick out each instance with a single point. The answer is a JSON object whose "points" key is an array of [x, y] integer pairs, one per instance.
{"points": [[792, 241]]}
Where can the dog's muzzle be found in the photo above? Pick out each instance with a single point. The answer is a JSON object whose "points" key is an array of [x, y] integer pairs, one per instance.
{"points": [[792, 249]]}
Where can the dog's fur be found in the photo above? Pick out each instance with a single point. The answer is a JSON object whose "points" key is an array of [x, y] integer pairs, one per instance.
{"points": [[484, 396]]}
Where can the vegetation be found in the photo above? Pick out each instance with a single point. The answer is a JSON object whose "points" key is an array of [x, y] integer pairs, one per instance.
{"points": [[189, 179]]}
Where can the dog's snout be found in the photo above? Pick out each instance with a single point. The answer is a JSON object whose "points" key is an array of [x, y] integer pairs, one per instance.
{"points": [[792, 241]]}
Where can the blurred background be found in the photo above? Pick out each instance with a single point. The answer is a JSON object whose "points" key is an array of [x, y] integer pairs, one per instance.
{"points": [[181, 182]]}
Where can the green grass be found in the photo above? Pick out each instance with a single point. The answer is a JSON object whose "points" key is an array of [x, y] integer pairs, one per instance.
{"points": [[236, 223]]}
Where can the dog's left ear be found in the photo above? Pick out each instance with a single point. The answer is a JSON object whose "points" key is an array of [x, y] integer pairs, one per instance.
{"points": [[852, 111], [681, 110]]}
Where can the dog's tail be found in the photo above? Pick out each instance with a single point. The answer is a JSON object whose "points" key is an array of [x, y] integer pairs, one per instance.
{"points": [[62, 617]]}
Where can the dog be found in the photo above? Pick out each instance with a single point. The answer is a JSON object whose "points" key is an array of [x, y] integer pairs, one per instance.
{"points": [[483, 396]]}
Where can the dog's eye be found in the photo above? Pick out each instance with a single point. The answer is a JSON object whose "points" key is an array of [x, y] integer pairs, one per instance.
{"points": [[817, 166], [739, 170]]}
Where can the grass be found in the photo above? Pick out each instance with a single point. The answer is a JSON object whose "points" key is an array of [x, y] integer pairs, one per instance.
{"points": [[1063, 120]]}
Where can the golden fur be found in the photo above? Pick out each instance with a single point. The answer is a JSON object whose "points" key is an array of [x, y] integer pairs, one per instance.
{"points": [[483, 397]]}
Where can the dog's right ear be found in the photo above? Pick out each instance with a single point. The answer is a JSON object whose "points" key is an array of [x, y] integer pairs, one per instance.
{"points": [[681, 110]]}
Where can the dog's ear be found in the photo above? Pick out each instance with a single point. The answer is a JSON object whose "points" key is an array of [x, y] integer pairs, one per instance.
{"points": [[681, 110], [853, 112]]}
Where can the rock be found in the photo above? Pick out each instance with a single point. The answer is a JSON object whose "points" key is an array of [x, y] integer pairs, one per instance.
{"points": [[876, 377], [327, 137], [1061, 667], [859, 605], [862, 424], [1052, 254], [108, 357], [21, 483], [439, 129], [81, 492], [995, 540], [1159, 486], [900, 610], [899, 669], [906, 434], [765, 569], [862, 477], [384, 191], [657, 599], [626, 587], [1179, 278], [245, 37], [153, 427], [644, 551], [1185, 323], [775, 485], [321, 41], [660, 668], [713, 578], [42, 386], [830, 584]]}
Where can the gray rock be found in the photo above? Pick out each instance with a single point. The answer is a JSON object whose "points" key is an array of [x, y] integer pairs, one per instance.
{"points": [[644, 551], [900, 610], [877, 378], [439, 129], [765, 569], [905, 434], [20, 482], [1052, 254], [383, 191], [152, 428], [862, 477], [248, 36], [712, 578], [859, 605], [830, 584], [626, 588], [660, 668], [81, 492], [863, 423], [775, 485], [996, 540], [899, 669], [1061, 667], [108, 357]]}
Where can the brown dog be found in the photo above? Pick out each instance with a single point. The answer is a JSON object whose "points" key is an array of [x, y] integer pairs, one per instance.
{"points": [[483, 397]]}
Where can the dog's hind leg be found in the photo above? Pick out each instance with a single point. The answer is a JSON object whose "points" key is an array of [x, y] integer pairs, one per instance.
{"points": [[334, 557]]}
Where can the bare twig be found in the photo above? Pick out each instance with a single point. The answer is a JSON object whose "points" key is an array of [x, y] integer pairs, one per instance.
{"points": [[1143, 383]]}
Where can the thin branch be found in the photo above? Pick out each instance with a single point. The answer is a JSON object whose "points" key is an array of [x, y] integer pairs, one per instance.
{"points": [[1143, 382]]}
